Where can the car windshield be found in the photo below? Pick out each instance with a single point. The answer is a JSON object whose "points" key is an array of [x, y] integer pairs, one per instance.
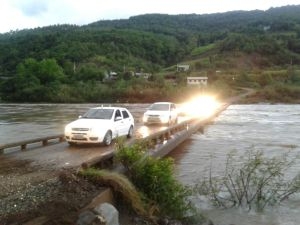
{"points": [[104, 114], [159, 107]]}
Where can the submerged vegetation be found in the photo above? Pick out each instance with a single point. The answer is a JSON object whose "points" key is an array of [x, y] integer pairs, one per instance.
{"points": [[252, 182]]}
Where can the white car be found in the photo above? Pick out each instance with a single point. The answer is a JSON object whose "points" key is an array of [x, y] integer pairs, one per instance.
{"points": [[100, 125], [161, 113]]}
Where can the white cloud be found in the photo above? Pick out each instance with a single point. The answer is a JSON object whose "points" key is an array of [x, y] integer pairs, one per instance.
{"points": [[33, 7], [20, 14]]}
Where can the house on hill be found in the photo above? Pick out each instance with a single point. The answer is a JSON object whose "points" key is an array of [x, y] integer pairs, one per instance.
{"points": [[142, 74], [201, 81], [182, 68], [110, 76]]}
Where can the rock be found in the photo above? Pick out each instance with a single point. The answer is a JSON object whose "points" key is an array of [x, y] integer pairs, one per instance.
{"points": [[108, 212], [86, 218], [167, 221], [103, 214]]}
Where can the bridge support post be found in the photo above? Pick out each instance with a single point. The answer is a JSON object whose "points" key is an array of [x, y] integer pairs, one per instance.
{"points": [[201, 130], [23, 147], [168, 135], [161, 139]]}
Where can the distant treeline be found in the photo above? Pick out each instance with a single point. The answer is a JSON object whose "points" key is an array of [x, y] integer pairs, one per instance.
{"points": [[68, 63]]}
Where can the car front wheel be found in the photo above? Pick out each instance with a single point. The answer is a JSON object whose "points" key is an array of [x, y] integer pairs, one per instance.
{"points": [[130, 132], [107, 138]]}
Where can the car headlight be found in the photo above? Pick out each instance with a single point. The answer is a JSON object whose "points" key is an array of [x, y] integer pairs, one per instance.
{"points": [[164, 118], [67, 129], [145, 118]]}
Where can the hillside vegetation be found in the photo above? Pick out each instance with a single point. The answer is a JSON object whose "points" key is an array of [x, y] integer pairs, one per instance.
{"points": [[69, 63]]}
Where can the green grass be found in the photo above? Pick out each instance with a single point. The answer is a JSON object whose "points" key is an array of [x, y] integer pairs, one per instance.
{"points": [[202, 49]]}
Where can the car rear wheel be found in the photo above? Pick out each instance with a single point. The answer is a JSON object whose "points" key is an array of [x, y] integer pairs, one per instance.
{"points": [[130, 132], [107, 138], [169, 122]]}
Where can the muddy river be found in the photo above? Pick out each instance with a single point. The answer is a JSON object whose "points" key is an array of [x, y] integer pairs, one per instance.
{"points": [[273, 129]]}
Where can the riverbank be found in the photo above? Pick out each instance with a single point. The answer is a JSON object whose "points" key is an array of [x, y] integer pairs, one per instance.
{"points": [[47, 198], [274, 94]]}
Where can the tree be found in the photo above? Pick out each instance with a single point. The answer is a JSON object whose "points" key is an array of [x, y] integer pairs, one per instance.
{"points": [[89, 72], [37, 81], [49, 72]]}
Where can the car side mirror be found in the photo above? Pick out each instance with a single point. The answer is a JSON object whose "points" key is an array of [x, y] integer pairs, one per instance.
{"points": [[118, 118]]}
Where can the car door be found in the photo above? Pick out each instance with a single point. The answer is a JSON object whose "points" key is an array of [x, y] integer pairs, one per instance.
{"points": [[120, 124], [128, 120], [173, 112]]}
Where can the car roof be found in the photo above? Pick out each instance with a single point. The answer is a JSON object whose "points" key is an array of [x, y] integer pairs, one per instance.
{"points": [[163, 103], [108, 107]]}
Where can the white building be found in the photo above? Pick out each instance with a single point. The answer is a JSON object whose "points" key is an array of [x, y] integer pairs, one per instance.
{"points": [[197, 81], [144, 75], [183, 68]]}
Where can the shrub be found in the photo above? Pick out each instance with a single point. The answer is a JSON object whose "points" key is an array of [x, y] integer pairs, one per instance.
{"points": [[154, 178], [280, 92]]}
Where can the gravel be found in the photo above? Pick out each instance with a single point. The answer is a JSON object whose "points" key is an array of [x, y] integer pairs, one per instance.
{"points": [[56, 195]]}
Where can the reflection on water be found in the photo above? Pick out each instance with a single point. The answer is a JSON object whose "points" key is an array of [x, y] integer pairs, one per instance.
{"points": [[274, 129], [144, 131]]}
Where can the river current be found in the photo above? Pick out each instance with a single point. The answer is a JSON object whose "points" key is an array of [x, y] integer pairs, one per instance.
{"points": [[273, 129]]}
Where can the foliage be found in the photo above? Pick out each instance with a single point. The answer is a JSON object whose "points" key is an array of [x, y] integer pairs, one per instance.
{"points": [[154, 178], [279, 93], [293, 76], [257, 181], [202, 49], [120, 186], [263, 79], [63, 57], [36, 81]]}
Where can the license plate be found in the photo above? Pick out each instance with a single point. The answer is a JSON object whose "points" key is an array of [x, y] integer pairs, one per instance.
{"points": [[78, 136]]}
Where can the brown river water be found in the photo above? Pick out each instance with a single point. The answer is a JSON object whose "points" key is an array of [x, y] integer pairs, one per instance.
{"points": [[273, 129]]}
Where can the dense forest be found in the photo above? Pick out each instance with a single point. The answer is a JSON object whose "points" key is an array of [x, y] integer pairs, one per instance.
{"points": [[69, 63]]}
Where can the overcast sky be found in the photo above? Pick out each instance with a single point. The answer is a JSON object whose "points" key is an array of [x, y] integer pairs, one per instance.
{"points": [[21, 14]]}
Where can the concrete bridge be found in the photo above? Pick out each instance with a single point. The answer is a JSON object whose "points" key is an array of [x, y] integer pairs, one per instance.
{"points": [[55, 150]]}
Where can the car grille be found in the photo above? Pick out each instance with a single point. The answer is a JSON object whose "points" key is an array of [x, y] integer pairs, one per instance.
{"points": [[80, 129], [153, 118], [78, 137]]}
